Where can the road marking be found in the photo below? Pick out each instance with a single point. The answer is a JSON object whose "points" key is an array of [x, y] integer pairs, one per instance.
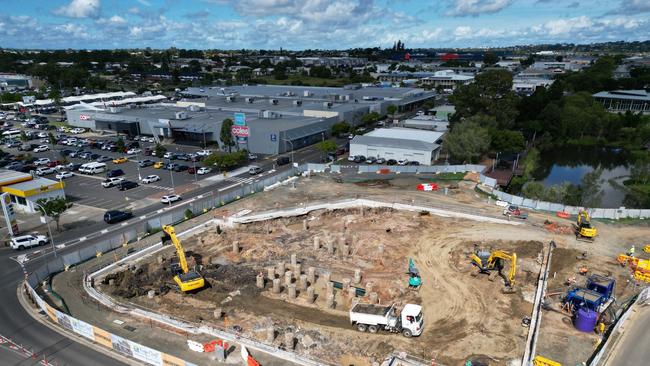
{"points": [[104, 231], [159, 211], [226, 188], [143, 217], [82, 238]]}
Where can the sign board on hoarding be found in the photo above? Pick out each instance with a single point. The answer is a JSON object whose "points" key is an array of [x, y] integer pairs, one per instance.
{"points": [[242, 140], [240, 119], [240, 131], [9, 213]]}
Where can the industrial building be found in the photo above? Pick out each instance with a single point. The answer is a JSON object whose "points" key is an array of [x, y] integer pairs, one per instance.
{"points": [[624, 100], [269, 132], [447, 79], [25, 190], [426, 122], [399, 144], [11, 82]]}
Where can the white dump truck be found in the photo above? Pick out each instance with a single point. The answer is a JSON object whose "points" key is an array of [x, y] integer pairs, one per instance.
{"points": [[371, 318]]}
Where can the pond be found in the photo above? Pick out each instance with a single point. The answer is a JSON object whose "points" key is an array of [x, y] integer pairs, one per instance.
{"points": [[570, 164]]}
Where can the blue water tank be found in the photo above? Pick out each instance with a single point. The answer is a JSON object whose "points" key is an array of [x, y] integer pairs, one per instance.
{"points": [[585, 320]]}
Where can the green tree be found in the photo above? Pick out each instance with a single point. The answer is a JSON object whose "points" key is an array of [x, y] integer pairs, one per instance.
{"points": [[53, 208], [640, 171], [51, 138], [340, 128], [119, 144], [280, 72], [507, 140], [391, 109], [370, 118], [226, 134], [490, 58], [159, 150], [326, 146], [467, 141], [534, 190], [225, 161], [591, 188], [23, 136]]}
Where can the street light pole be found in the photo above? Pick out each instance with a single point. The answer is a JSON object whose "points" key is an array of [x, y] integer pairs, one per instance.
{"points": [[171, 174], [289, 141], [49, 230]]}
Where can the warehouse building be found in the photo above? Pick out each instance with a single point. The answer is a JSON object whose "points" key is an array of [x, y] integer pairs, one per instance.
{"points": [[634, 101], [399, 144], [269, 132], [25, 190]]}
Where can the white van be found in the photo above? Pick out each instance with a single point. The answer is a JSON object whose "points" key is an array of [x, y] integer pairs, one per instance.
{"points": [[11, 134], [93, 168]]}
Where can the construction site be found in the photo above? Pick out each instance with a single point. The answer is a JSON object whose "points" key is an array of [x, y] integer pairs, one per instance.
{"points": [[351, 285]]}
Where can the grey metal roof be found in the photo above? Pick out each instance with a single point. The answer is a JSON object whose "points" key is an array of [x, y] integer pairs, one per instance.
{"points": [[640, 95], [393, 143], [33, 184]]}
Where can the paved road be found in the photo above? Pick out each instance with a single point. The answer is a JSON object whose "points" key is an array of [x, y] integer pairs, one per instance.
{"points": [[19, 326], [634, 346]]}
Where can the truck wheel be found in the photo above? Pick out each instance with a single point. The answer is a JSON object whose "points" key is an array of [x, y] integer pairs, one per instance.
{"points": [[41, 243], [407, 333], [21, 247], [372, 329], [362, 327]]}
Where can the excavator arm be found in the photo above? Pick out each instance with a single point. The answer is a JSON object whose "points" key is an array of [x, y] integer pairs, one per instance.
{"points": [[180, 252], [511, 258]]}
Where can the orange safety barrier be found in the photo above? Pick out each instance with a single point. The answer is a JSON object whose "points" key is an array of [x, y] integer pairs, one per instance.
{"points": [[252, 361], [563, 215], [383, 171], [211, 346]]}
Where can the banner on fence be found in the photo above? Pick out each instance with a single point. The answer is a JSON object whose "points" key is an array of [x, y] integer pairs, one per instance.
{"points": [[146, 354], [103, 337], [82, 328]]}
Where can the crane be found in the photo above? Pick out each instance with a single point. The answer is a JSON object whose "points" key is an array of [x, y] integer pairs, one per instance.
{"points": [[186, 279], [584, 229], [487, 262]]}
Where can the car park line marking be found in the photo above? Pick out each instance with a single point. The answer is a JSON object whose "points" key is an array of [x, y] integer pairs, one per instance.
{"points": [[82, 238], [125, 223], [160, 211], [143, 217], [104, 231], [231, 186]]}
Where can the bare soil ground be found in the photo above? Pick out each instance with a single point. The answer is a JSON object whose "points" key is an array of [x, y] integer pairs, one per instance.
{"points": [[466, 317]]}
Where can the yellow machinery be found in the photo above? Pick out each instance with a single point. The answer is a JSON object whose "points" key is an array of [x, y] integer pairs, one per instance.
{"points": [[584, 229], [489, 262], [640, 267], [543, 361], [186, 279]]}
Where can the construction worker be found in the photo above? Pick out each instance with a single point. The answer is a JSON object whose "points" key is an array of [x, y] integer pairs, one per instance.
{"points": [[631, 251]]}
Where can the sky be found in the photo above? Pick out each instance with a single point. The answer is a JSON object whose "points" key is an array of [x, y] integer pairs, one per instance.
{"points": [[317, 24]]}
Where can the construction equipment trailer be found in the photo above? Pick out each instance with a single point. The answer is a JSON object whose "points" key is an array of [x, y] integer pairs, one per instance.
{"points": [[187, 279], [372, 318]]}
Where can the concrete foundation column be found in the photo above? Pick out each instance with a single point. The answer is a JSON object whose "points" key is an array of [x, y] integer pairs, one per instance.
{"points": [[380, 249], [287, 278], [357, 276], [281, 269], [270, 335], [218, 313], [111, 282], [160, 259], [288, 340], [345, 250], [346, 283], [305, 224], [330, 247], [294, 260], [151, 294], [327, 277], [352, 292], [311, 293], [297, 269], [329, 301], [369, 287], [259, 281], [303, 282], [292, 291], [311, 275], [316, 243], [276, 285], [235, 247], [270, 272], [373, 297], [330, 288]]}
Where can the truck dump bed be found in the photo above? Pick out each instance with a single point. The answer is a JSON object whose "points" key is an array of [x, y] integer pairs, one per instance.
{"points": [[371, 309]]}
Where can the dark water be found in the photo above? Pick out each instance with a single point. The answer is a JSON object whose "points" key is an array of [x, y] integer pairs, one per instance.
{"points": [[568, 164]]}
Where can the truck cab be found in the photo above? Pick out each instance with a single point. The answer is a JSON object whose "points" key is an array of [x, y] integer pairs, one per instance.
{"points": [[412, 320]]}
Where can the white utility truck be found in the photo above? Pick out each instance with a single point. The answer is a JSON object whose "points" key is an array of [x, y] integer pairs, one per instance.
{"points": [[375, 317]]}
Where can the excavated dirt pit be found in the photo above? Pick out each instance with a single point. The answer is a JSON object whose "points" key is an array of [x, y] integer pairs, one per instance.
{"points": [[466, 317]]}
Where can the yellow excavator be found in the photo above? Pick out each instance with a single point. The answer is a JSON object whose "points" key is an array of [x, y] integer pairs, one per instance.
{"points": [[186, 279], [492, 262], [584, 229]]}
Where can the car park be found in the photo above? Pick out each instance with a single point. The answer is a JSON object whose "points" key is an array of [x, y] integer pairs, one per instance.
{"points": [[111, 182], [150, 179], [168, 199], [27, 241], [114, 216], [254, 170], [120, 160], [41, 161], [203, 171], [64, 175], [114, 173], [126, 185]]}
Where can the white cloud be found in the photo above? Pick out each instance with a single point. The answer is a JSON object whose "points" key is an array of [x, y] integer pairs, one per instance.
{"points": [[633, 6], [477, 7], [80, 9], [565, 26], [115, 20]]}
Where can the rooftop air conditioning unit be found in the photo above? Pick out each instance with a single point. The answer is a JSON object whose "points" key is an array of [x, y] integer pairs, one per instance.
{"points": [[297, 103], [113, 110], [230, 99], [250, 100], [328, 105], [269, 114], [182, 115], [273, 101], [307, 93]]}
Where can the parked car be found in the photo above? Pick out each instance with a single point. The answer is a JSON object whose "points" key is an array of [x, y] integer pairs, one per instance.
{"points": [[150, 179], [402, 162], [120, 160], [103, 159], [170, 198], [351, 158], [158, 165], [203, 170], [41, 148], [12, 143], [145, 163], [192, 170], [126, 185], [381, 161], [133, 151], [44, 170], [114, 173], [169, 155], [53, 164], [112, 217], [27, 241], [183, 157], [112, 182], [283, 160], [254, 170], [359, 159], [252, 156], [371, 160], [180, 168], [41, 161], [64, 175], [204, 152], [413, 163], [391, 162]]}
